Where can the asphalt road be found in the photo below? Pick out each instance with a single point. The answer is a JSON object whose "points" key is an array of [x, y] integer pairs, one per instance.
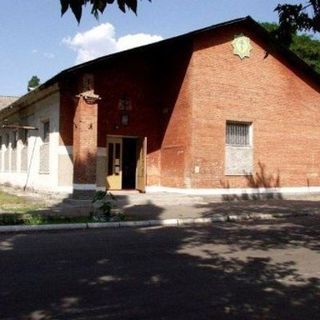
{"points": [[226, 271]]}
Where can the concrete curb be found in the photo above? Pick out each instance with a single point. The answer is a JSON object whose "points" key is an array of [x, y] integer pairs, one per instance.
{"points": [[43, 227], [152, 223]]}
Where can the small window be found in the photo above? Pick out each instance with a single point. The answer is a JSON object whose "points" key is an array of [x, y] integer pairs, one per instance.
{"points": [[87, 83], [238, 134], [46, 131], [14, 139], [24, 136], [7, 140]]}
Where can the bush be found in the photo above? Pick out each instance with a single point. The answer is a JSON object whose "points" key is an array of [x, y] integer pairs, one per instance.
{"points": [[105, 208], [19, 218], [10, 219]]}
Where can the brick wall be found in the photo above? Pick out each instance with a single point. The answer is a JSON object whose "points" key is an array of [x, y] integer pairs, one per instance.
{"points": [[281, 103], [85, 143], [155, 85], [176, 138], [181, 101], [135, 80]]}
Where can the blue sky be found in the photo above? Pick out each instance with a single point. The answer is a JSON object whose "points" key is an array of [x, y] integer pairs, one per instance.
{"points": [[35, 40]]}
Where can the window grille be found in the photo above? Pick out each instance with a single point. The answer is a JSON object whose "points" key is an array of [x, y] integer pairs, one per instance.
{"points": [[238, 134]]}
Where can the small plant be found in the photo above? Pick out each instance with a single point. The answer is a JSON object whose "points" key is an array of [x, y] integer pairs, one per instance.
{"points": [[10, 219], [31, 219], [105, 207]]}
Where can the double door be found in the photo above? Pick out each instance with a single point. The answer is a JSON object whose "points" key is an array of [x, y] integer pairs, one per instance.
{"points": [[126, 163]]}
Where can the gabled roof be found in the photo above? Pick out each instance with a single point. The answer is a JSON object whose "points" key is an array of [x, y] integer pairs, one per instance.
{"points": [[261, 32], [6, 101]]}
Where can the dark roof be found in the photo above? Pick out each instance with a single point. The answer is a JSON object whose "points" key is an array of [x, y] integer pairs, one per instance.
{"points": [[245, 21]]}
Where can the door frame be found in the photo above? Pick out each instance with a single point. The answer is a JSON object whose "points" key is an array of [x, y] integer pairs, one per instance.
{"points": [[140, 141], [116, 183]]}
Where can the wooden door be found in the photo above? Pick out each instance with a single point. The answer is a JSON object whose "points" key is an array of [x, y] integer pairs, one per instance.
{"points": [[114, 163], [141, 164]]}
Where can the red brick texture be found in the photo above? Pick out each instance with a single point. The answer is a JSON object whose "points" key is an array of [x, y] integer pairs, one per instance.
{"points": [[281, 103], [182, 95], [85, 142], [158, 112]]}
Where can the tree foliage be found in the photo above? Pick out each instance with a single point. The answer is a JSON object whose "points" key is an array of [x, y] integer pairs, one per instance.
{"points": [[304, 16], [305, 46], [33, 83], [300, 17], [97, 6]]}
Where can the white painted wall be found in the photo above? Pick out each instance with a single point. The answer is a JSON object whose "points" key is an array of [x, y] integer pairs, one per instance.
{"points": [[47, 108]]}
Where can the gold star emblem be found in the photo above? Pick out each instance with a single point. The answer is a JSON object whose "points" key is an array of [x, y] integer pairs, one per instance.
{"points": [[241, 46]]}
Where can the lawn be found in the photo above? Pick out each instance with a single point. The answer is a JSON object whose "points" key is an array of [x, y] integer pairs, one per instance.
{"points": [[19, 210], [14, 204]]}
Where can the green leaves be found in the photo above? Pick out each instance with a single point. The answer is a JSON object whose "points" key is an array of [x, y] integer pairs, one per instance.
{"points": [[64, 6], [75, 5], [303, 45], [299, 17], [304, 16], [132, 4], [97, 6], [33, 83]]}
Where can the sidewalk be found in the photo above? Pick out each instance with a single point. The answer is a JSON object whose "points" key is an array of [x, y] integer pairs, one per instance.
{"points": [[176, 209], [170, 206]]}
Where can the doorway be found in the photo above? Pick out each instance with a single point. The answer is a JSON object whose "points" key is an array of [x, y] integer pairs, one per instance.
{"points": [[129, 163], [126, 163]]}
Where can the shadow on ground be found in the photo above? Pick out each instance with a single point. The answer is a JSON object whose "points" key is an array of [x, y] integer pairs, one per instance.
{"points": [[227, 271], [171, 206]]}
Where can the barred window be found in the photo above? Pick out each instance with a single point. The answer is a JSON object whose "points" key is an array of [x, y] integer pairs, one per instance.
{"points": [[238, 134]]}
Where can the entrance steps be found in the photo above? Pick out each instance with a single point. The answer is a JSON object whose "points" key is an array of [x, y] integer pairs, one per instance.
{"points": [[126, 200]]}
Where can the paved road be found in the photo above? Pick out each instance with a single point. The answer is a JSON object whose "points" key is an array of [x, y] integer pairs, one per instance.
{"points": [[227, 271]]}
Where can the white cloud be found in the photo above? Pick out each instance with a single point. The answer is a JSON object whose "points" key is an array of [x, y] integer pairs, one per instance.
{"points": [[102, 40], [135, 40]]}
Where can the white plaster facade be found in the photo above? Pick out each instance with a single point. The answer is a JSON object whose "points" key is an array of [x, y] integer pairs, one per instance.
{"points": [[35, 114]]}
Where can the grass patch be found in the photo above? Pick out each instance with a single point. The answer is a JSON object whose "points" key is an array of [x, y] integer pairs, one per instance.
{"points": [[16, 204], [15, 210], [37, 219]]}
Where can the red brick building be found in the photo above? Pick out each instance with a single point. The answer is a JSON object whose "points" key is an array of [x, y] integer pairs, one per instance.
{"points": [[196, 113]]}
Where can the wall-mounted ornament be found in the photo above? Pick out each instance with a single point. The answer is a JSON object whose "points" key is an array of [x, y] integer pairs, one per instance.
{"points": [[241, 46], [87, 90], [89, 97]]}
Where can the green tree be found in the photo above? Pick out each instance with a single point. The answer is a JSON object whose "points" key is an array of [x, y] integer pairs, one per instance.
{"points": [[305, 46], [33, 83], [304, 16], [97, 6]]}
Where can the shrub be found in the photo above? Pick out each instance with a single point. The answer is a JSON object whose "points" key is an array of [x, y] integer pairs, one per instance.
{"points": [[105, 207]]}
